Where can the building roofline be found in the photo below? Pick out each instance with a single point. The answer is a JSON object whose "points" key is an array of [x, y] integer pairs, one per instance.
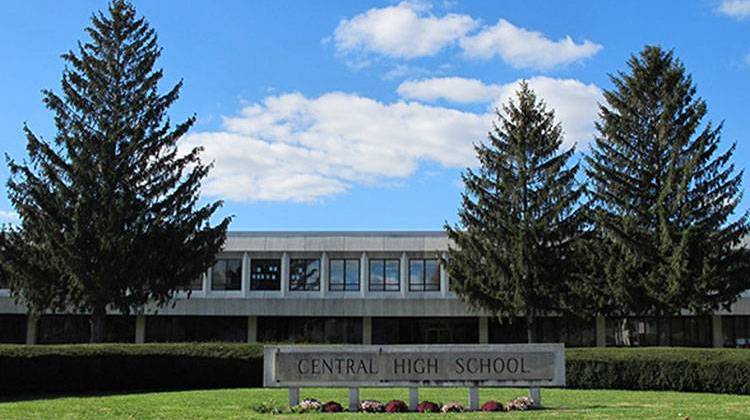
{"points": [[338, 233]]}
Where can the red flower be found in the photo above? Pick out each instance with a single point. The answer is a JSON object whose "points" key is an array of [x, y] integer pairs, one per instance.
{"points": [[492, 406], [428, 407], [332, 407], [396, 406]]}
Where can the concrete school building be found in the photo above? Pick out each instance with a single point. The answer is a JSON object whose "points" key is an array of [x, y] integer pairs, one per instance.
{"points": [[351, 287]]}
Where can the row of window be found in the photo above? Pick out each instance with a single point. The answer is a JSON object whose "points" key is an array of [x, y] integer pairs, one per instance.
{"points": [[343, 275]]}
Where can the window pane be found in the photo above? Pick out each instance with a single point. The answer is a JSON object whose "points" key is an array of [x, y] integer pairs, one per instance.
{"points": [[352, 275], [432, 275], [377, 275], [265, 274], [304, 274], [234, 274], [298, 274], [416, 274], [336, 277], [312, 275], [392, 275], [218, 275]]}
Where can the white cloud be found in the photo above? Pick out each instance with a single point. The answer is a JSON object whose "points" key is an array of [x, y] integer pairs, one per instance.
{"points": [[454, 89], [738, 9], [407, 30], [574, 102], [291, 147], [524, 48], [9, 217], [294, 148]]}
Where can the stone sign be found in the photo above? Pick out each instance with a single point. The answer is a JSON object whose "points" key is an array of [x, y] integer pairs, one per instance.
{"points": [[532, 365]]}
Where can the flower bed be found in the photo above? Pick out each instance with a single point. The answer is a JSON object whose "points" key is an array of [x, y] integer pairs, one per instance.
{"points": [[397, 406]]}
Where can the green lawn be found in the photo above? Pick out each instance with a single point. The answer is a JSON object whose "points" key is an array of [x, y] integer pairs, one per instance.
{"points": [[238, 403]]}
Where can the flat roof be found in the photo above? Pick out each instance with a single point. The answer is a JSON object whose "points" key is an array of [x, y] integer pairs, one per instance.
{"points": [[324, 233]]}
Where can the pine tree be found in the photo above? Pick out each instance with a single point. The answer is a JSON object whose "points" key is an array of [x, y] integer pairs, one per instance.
{"points": [[518, 219], [663, 196], [109, 210]]}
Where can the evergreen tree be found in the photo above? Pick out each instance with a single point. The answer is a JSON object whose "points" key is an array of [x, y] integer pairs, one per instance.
{"points": [[109, 210], [518, 218], [663, 196]]}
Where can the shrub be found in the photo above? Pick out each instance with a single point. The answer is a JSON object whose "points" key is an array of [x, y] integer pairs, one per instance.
{"points": [[428, 407], [452, 407], [308, 405], [492, 406], [660, 368], [371, 406], [521, 404], [396, 406], [77, 368], [332, 407]]}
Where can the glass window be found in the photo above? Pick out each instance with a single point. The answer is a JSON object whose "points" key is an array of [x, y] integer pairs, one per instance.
{"points": [[176, 329], [265, 274], [13, 329], [310, 329], [736, 330], [344, 275], [304, 274], [424, 275], [385, 275], [226, 274], [413, 330]]}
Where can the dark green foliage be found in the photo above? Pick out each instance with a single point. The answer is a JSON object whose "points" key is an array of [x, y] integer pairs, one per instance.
{"points": [[122, 367], [80, 368], [663, 368], [518, 220], [109, 209], [663, 196]]}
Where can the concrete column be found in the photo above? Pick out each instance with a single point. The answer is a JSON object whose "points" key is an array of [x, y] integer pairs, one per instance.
{"points": [[140, 329], [536, 395], [364, 270], [293, 396], [323, 274], [353, 399], [284, 274], [245, 274], [484, 330], [443, 279], [209, 280], [473, 398], [252, 329], [716, 331], [404, 273], [32, 326], [413, 398], [601, 331], [366, 330]]}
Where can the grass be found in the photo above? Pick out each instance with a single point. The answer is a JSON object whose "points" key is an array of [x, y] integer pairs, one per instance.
{"points": [[238, 403]]}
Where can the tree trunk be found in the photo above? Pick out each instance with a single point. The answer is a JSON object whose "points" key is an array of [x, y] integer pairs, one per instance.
{"points": [[98, 325], [625, 332], [530, 328]]}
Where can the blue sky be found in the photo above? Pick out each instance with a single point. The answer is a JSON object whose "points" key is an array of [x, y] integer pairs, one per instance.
{"points": [[348, 115]]}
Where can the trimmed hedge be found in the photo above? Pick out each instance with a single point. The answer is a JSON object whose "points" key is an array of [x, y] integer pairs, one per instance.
{"points": [[660, 368], [81, 368]]}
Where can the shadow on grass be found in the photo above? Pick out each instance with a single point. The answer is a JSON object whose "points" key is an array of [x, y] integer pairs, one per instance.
{"points": [[96, 394]]}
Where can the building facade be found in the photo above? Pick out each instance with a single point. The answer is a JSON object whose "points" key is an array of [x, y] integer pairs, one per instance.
{"points": [[351, 287]]}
